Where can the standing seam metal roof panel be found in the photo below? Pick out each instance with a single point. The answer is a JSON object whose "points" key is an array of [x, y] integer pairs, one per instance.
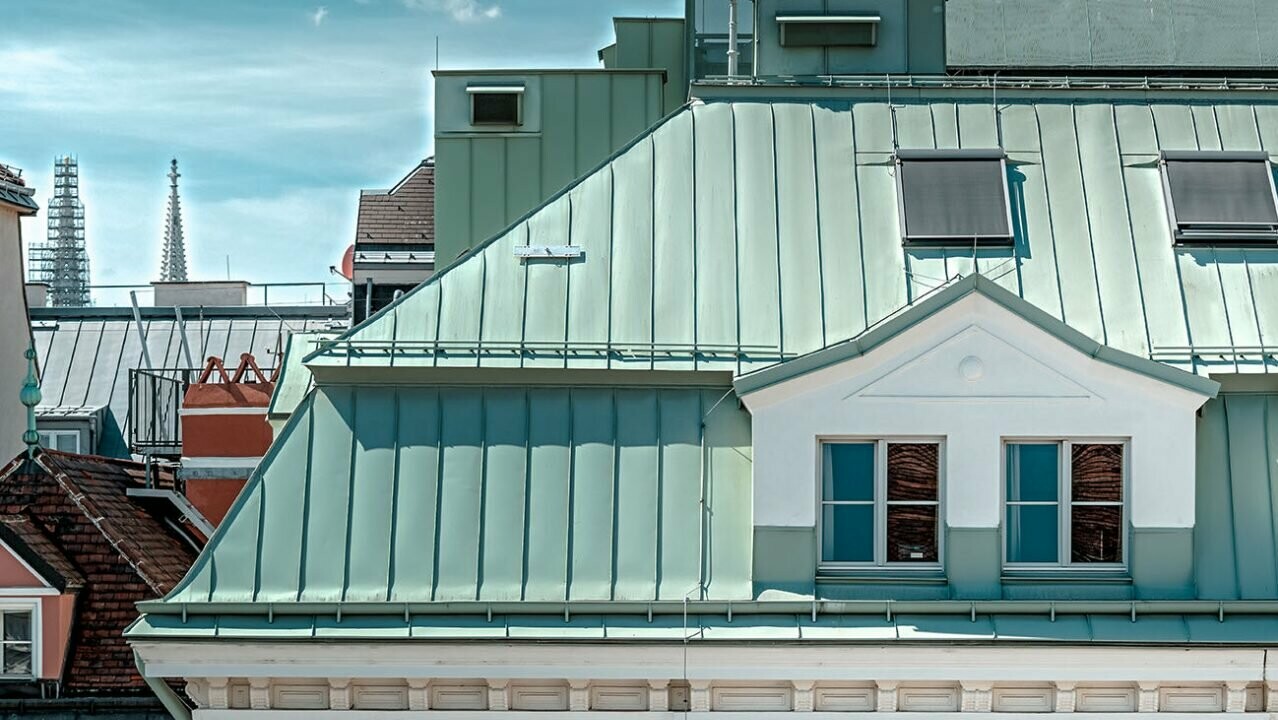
{"points": [[377, 494], [761, 243]]}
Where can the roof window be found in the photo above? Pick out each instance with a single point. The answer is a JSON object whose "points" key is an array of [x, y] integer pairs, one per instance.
{"points": [[496, 104], [1217, 198], [829, 30], [954, 197]]}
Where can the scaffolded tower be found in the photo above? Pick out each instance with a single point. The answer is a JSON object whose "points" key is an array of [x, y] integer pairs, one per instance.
{"points": [[173, 264], [62, 261]]}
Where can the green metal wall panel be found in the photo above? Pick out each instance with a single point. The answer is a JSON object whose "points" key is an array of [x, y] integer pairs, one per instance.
{"points": [[496, 494], [488, 180]]}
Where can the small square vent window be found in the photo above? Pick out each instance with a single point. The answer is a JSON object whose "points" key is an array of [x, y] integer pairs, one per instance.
{"points": [[829, 30], [496, 105], [1221, 197], [954, 197]]}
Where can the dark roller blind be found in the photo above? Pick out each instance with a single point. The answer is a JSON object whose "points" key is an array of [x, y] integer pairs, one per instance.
{"points": [[496, 108], [1221, 192], [960, 198]]}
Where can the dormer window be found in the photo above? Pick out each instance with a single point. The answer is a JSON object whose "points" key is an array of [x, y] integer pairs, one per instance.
{"points": [[954, 197], [1064, 504], [1221, 198], [16, 645], [496, 104], [880, 504], [829, 30]]}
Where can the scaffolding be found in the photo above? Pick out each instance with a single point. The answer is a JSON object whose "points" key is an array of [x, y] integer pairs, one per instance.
{"points": [[61, 261]]}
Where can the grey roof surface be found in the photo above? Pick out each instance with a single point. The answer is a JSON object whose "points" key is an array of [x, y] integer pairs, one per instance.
{"points": [[405, 214], [1159, 35], [86, 354]]}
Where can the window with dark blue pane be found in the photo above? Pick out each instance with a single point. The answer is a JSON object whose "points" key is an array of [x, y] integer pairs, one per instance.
{"points": [[847, 503], [880, 503]]}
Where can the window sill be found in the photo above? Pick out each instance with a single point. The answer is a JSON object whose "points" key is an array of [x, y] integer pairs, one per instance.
{"points": [[921, 576], [1120, 576]]}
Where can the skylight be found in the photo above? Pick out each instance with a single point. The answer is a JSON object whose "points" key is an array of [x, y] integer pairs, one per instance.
{"points": [[954, 197], [1223, 198]]}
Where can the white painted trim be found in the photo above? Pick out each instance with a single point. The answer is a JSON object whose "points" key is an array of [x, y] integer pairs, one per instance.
{"points": [[28, 592], [709, 662], [188, 412], [219, 463]]}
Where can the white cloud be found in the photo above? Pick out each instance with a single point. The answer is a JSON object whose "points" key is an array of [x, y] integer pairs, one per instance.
{"points": [[317, 17], [460, 10]]}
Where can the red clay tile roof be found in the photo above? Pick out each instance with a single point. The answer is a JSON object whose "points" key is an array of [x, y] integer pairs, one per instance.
{"points": [[123, 547], [402, 215]]}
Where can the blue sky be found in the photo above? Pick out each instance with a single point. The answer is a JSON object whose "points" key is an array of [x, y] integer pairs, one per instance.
{"points": [[278, 111]]}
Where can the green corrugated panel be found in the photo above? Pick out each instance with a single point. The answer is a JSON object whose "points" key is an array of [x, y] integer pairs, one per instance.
{"points": [[492, 494], [774, 226]]}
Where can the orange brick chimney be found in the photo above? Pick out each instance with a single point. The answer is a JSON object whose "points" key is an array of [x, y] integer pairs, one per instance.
{"points": [[224, 433]]}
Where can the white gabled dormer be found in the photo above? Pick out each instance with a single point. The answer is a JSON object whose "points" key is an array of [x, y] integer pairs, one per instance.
{"points": [[968, 403]]}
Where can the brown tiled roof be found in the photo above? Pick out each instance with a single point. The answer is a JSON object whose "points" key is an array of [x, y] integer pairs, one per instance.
{"points": [[21, 534], [404, 214], [123, 547]]}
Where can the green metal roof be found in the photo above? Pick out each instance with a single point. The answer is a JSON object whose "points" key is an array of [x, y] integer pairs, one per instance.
{"points": [[1235, 535], [1154, 34], [411, 494], [1174, 629], [942, 298], [740, 233], [294, 380]]}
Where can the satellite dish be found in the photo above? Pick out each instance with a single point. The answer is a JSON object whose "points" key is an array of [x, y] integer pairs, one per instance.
{"points": [[347, 269]]}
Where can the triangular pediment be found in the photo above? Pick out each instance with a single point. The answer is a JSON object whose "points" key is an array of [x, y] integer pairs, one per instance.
{"points": [[975, 364]]}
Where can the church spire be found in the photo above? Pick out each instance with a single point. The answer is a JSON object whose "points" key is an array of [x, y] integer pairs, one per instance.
{"points": [[173, 264]]}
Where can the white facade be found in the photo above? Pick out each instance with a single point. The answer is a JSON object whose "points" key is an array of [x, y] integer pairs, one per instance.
{"points": [[974, 375], [269, 680]]}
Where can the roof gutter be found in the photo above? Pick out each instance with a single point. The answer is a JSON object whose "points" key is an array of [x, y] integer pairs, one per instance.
{"points": [[798, 606], [168, 697]]}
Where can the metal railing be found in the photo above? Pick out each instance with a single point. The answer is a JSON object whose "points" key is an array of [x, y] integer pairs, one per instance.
{"points": [[155, 410]]}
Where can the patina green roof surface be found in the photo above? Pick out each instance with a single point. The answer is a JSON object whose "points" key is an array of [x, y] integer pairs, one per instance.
{"points": [[1235, 536], [375, 494], [1154, 34], [1175, 629], [295, 380], [739, 233], [944, 297]]}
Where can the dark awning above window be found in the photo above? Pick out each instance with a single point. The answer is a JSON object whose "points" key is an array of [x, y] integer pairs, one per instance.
{"points": [[1221, 198], [954, 197]]}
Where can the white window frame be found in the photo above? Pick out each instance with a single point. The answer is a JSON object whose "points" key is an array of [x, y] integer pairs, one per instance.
{"points": [[37, 626], [517, 90], [881, 503], [1065, 504], [48, 439], [946, 241], [1223, 234]]}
